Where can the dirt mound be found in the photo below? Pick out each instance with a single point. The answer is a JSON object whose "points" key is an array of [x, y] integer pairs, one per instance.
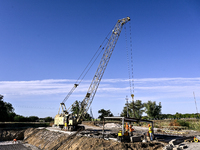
{"points": [[112, 125], [43, 139], [83, 143], [46, 140]]}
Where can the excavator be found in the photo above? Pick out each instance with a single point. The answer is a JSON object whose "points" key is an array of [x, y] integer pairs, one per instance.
{"points": [[70, 121]]}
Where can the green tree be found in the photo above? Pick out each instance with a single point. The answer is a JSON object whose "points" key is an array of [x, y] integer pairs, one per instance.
{"points": [[152, 110], [192, 116], [138, 109], [87, 117], [178, 115], [19, 118], [6, 110], [104, 113], [187, 115], [78, 108], [48, 119], [170, 116], [32, 118], [11, 116], [134, 109], [124, 111]]}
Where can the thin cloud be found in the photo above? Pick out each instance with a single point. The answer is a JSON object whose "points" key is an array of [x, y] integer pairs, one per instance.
{"points": [[51, 92], [179, 86]]}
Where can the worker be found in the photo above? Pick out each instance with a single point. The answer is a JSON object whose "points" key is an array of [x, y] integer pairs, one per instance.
{"points": [[14, 141], [126, 128], [150, 132], [131, 130], [119, 137], [65, 126]]}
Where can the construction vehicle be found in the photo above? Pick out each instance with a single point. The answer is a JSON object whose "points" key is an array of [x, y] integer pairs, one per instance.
{"points": [[71, 121]]}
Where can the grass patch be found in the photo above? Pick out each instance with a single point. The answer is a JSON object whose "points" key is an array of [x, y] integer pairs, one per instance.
{"points": [[183, 123], [192, 124]]}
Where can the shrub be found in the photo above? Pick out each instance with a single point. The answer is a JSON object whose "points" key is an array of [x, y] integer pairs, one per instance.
{"points": [[174, 123], [183, 123]]}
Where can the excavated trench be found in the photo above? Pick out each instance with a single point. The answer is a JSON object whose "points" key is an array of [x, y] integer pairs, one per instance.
{"points": [[34, 139]]}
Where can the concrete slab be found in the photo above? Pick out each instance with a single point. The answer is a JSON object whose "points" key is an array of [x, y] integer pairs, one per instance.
{"points": [[135, 139]]}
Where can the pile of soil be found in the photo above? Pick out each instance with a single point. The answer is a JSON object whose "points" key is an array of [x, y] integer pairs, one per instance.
{"points": [[43, 139], [112, 125], [83, 143], [46, 140]]}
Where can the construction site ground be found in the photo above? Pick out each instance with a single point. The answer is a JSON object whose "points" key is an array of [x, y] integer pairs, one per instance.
{"points": [[51, 138]]}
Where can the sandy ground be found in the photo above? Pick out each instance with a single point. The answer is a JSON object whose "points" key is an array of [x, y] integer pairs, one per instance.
{"points": [[138, 129], [192, 146]]}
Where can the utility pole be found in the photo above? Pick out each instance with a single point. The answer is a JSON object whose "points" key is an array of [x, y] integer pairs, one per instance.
{"points": [[91, 114], [195, 103]]}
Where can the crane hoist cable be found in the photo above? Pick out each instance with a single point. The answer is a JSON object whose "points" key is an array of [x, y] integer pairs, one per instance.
{"points": [[130, 62], [88, 67], [131, 49], [130, 66]]}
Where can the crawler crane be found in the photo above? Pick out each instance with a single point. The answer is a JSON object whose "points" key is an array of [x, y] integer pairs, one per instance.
{"points": [[70, 120]]}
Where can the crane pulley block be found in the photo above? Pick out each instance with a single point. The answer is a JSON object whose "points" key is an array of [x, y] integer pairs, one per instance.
{"points": [[88, 95]]}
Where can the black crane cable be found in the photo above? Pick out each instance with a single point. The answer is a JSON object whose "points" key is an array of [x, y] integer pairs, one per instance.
{"points": [[131, 49], [131, 78], [88, 67], [130, 72]]}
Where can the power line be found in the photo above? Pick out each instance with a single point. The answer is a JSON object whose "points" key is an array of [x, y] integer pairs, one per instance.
{"points": [[35, 107]]}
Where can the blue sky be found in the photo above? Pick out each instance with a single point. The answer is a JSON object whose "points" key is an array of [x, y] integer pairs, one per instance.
{"points": [[45, 45]]}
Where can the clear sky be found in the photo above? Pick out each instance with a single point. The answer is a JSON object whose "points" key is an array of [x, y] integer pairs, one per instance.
{"points": [[45, 45]]}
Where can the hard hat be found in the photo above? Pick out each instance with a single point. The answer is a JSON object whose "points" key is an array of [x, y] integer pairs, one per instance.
{"points": [[149, 125]]}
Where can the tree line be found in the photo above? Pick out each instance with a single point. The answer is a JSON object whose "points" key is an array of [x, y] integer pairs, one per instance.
{"points": [[153, 111], [131, 109], [7, 114], [178, 116]]}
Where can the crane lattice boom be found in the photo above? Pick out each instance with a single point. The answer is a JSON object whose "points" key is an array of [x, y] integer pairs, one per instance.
{"points": [[102, 65], [70, 120]]}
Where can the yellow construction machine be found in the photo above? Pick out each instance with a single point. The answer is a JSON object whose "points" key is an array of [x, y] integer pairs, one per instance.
{"points": [[66, 118]]}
